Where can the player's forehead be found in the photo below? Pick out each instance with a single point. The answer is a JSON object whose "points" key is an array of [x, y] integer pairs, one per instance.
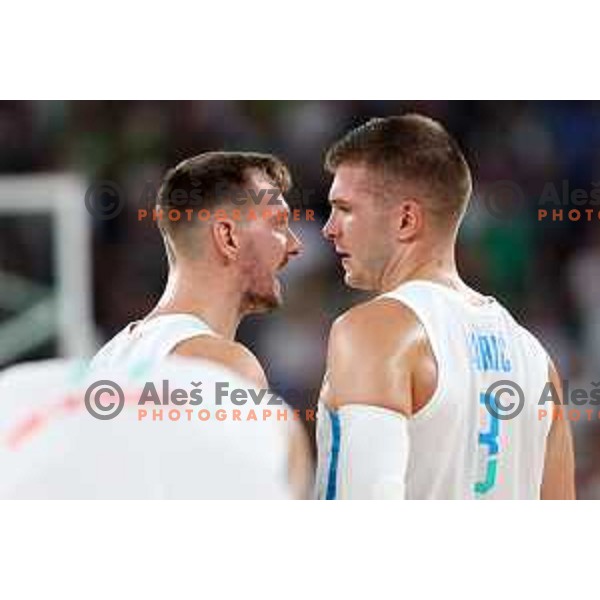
{"points": [[354, 182]]}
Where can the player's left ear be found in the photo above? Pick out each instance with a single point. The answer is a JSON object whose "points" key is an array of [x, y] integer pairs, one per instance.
{"points": [[409, 219]]}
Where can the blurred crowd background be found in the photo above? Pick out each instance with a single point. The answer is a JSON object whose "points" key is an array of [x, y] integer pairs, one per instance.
{"points": [[547, 272]]}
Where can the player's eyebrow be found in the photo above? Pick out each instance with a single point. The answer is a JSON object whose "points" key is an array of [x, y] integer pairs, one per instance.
{"points": [[337, 201]]}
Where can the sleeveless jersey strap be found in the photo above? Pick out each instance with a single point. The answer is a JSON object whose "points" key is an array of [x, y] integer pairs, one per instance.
{"points": [[175, 329]]}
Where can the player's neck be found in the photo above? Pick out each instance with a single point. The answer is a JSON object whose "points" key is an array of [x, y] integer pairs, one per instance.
{"points": [[213, 299], [437, 264]]}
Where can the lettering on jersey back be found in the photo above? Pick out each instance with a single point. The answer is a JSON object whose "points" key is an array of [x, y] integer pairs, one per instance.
{"points": [[489, 352]]}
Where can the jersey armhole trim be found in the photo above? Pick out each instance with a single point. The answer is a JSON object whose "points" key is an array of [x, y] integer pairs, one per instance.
{"points": [[426, 411], [170, 348]]}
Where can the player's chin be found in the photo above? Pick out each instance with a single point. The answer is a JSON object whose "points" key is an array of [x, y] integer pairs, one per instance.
{"points": [[267, 301], [270, 303], [354, 280], [262, 305]]}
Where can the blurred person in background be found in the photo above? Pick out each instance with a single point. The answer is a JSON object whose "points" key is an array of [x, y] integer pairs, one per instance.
{"points": [[71, 432]]}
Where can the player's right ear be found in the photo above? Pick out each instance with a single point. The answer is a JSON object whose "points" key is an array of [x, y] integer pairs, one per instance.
{"points": [[226, 238], [409, 219]]}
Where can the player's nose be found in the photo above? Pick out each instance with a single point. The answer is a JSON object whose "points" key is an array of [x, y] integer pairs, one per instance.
{"points": [[329, 230], [295, 246]]}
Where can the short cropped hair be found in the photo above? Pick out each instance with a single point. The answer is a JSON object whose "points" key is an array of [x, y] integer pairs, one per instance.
{"points": [[411, 148], [210, 179]]}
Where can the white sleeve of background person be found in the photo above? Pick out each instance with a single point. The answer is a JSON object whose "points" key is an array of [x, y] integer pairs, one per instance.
{"points": [[366, 453], [51, 447]]}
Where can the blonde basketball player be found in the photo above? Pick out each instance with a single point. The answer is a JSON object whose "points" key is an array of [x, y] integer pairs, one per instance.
{"points": [[224, 254], [403, 407]]}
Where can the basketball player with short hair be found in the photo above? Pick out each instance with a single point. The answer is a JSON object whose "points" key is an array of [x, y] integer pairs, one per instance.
{"points": [[221, 268], [403, 406], [224, 255]]}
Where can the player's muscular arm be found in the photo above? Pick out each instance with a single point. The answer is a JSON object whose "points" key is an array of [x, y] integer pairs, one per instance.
{"points": [[233, 355], [372, 358], [372, 354], [558, 482]]}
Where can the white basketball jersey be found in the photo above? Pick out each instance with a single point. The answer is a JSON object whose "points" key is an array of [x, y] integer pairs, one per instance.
{"points": [[51, 447], [460, 445], [145, 343]]}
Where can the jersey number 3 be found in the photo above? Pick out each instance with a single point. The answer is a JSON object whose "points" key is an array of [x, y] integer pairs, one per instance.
{"points": [[490, 440]]}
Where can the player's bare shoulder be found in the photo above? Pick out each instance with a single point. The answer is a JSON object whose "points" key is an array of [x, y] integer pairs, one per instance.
{"points": [[227, 352], [373, 349], [382, 325]]}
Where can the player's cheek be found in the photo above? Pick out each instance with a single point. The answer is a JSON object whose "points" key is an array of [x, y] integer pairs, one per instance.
{"points": [[277, 249], [347, 227], [282, 242]]}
